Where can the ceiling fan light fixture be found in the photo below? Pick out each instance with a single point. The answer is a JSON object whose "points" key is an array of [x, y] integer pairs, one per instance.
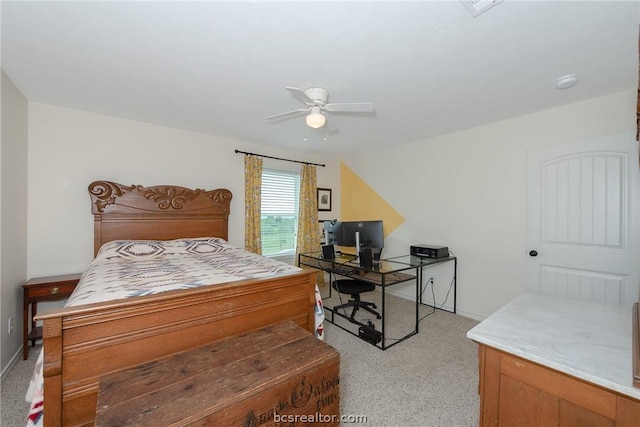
{"points": [[315, 119], [316, 105]]}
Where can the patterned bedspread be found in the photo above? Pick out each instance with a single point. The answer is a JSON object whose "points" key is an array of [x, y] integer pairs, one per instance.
{"points": [[124, 269]]}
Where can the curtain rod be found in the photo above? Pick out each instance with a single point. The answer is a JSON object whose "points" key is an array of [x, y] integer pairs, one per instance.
{"points": [[278, 158]]}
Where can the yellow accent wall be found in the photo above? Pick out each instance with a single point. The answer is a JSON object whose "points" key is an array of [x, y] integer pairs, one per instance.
{"points": [[359, 202]]}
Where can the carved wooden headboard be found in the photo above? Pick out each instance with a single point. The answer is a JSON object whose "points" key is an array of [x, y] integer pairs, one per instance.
{"points": [[162, 212]]}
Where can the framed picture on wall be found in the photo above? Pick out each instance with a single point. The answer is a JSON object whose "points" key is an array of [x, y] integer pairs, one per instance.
{"points": [[324, 199]]}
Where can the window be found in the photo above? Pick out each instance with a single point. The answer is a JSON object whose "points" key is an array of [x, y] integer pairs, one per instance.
{"points": [[279, 214]]}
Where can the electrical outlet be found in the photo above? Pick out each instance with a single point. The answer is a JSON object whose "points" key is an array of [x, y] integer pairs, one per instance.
{"points": [[10, 324]]}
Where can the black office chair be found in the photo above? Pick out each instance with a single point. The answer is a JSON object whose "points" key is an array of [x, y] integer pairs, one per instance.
{"points": [[354, 288]]}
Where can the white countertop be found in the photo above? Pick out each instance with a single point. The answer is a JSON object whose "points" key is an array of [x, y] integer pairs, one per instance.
{"points": [[588, 340]]}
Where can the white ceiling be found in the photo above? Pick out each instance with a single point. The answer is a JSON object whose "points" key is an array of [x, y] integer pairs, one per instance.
{"points": [[428, 67]]}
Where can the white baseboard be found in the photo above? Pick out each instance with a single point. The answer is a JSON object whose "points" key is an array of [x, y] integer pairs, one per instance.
{"points": [[462, 313], [470, 315], [13, 361]]}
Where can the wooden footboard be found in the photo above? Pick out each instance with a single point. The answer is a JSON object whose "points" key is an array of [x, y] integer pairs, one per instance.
{"points": [[84, 343]]}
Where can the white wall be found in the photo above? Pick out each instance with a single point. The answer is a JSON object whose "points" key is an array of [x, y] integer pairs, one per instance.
{"points": [[13, 217], [467, 190], [68, 149]]}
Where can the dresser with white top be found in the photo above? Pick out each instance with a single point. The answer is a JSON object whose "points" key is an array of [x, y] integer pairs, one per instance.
{"points": [[546, 360]]}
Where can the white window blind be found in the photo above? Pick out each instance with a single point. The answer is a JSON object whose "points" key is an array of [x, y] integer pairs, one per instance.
{"points": [[279, 214]]}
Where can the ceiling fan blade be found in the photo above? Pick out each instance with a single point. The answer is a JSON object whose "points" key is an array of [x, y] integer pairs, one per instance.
{"points": [[298, 93], [288, 113], [352, 107]]}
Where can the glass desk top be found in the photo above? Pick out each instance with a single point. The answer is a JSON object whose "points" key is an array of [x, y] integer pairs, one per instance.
{"points": [[348, 261], [382, 331], [417, 261]]}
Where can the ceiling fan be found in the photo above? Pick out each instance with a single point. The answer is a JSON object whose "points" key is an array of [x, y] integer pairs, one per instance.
{"points": [[316, 101]]}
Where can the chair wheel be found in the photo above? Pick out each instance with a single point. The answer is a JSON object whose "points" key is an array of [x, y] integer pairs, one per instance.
{"points": [[374, 306], [378, 317]]}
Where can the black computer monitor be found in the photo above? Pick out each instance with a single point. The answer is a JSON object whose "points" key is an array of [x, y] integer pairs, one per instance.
{"points": [[333, 230], [371, 235]]}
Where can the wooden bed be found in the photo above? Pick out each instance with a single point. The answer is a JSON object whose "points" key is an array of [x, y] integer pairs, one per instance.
{"points": [[83, 343]]}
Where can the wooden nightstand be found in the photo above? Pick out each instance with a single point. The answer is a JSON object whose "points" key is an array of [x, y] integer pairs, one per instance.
{"points": [[40, 289]]}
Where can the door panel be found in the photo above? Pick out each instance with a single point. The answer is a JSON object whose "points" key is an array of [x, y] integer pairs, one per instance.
{"points": [[588, 285], [575, 416], [519, 403], [583, 219], [583, 200]]}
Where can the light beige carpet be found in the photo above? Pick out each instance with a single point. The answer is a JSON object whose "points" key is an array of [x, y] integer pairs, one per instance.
{"points": [[430, 379]]}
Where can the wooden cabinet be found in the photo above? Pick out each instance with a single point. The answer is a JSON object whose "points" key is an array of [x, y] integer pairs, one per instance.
{"points": [[40, 289], [518, 392]]}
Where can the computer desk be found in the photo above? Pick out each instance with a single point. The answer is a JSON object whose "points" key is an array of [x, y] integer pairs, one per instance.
{"points": [[383, 274], [422, 263]]}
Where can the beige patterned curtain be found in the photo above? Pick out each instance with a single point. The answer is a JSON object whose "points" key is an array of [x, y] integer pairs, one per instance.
{"points": [[252, 202], [308, 231]]}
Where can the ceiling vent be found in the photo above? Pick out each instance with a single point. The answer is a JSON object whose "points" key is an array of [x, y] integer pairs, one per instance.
{"points": [[476, 7]]}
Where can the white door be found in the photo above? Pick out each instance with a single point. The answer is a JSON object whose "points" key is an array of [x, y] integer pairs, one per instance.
{"points": [[583, 233]]}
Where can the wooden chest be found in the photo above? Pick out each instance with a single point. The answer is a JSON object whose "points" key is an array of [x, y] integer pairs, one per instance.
{"points": [[277, 375]]}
